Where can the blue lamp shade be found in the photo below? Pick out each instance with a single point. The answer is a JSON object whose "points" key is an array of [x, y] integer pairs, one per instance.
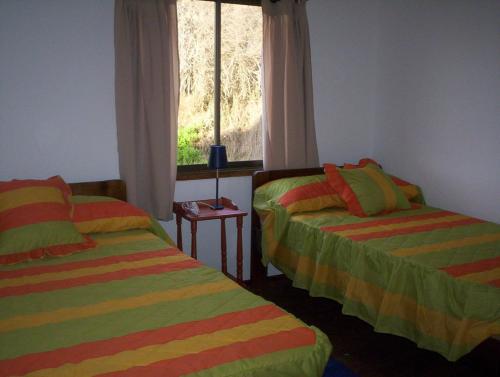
{"points": [[218, 157]]}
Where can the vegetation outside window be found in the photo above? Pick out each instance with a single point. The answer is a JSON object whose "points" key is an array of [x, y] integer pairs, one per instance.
{"points": [[240, 74]]}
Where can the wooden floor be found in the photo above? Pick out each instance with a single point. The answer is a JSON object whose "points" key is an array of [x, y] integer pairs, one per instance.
{"points": [[372, 354]]}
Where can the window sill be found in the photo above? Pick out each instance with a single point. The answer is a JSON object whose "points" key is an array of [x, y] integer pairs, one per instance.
{"points": [[195, 173]]}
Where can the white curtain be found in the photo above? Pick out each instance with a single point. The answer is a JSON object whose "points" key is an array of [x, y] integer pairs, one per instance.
{"points": [[147, 101], [288, 114]]}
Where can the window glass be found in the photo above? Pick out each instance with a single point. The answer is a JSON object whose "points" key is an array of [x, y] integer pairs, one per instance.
{"points": [[196, 102], [241, 102], [241, 45]]}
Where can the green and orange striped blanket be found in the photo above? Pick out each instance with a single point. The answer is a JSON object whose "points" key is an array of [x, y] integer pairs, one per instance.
{"points": [[429, 275], [135, 306]]}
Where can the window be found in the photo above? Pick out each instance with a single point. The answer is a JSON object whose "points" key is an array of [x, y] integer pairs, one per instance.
{"points": [[240, 92]]}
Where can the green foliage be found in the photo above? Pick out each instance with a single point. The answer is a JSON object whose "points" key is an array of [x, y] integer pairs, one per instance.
{"points": [[187, 153]]}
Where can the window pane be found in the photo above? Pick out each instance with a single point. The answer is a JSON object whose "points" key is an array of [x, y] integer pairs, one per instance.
{"points": [[196, 54], [240, 81], [241, 103]]}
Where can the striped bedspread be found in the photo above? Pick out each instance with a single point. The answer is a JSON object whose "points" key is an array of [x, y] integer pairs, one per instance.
{"points": [[137, 307], [429, 275]]}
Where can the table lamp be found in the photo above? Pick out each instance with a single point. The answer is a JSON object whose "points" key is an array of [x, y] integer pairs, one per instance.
{"points": [[217, 160]]}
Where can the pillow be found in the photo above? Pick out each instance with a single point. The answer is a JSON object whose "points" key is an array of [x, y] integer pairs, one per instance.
{"points": [[101, 214], [411, 191], [362, 163], [366, 190], [35, 220], [299, 194]]}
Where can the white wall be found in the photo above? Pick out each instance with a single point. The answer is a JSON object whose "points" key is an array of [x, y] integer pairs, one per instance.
{"points": [[343, 53], [57, 89], [439, 100]]}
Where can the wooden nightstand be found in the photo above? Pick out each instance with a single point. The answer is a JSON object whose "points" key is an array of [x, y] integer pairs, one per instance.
{"points": [[206, 213]]}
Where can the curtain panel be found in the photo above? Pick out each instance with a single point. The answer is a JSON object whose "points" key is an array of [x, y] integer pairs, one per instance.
{"points": [[288, 114], [147, 101]]}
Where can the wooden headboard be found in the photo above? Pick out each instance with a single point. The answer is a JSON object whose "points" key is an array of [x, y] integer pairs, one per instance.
{"points": [[258, 272], [115, 188]]}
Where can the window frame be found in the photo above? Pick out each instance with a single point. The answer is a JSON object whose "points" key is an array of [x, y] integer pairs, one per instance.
{"points": [[235, 168]]}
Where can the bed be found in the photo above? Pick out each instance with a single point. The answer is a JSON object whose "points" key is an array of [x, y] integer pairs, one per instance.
{"points": [[134, 305], [426, 274]]}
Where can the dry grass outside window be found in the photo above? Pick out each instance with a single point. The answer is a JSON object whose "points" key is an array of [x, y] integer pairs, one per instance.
{"points": [[241, 107]]}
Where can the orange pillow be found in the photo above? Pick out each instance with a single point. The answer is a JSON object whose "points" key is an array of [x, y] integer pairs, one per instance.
{"points": [[102, 214], [362, 163], [35, 220]]}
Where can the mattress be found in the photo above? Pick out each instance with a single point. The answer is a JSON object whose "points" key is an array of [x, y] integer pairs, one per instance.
{"points": [[135, 306], [430, 275]]}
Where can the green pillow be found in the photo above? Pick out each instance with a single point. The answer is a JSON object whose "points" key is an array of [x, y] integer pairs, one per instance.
{"points": [[366, 190]]}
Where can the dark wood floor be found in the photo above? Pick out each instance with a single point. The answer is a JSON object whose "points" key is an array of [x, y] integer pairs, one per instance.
{"points": [[372, 354]]}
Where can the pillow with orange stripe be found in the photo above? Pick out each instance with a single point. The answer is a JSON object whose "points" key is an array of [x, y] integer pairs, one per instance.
{"points": [[366, 190], [35, 220], [301, 194], [102, 214], [411, 191]]}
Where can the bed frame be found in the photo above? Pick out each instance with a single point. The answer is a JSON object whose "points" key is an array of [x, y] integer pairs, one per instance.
{"points": [[115, 188], [258, 273]]}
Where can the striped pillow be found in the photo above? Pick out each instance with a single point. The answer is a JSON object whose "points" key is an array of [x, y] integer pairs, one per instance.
{"points": [[35, 220], [411, 191], [366, 190], [301, 194], [101, 214]]}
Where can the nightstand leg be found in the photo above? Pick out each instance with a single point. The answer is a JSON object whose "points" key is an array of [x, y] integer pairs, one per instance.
{"points": [[193, 240], [223, 245], [178, 220], [239, 250]]}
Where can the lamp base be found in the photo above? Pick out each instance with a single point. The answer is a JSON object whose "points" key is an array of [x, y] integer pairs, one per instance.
{"points": [[217, 207]]}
